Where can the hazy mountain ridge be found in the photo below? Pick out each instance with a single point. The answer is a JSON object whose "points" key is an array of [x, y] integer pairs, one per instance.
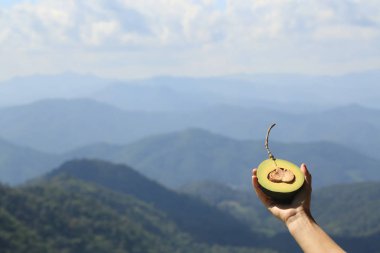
{"points": [[62, 125], [241, 90], [195, 155], [156, 98], [287, 92], [18, 164], [29, 89]]}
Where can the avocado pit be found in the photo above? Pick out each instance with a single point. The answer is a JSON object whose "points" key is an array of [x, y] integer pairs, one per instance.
{"points": [[281, 175]]}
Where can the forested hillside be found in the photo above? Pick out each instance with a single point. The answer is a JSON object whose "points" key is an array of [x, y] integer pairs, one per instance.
{"points": [[347, 210], [73, 210], [96, 206], [191, 215]]}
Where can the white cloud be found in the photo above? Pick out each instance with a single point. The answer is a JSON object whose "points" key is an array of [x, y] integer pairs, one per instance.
{"points": [[98, 32], [197, 37]]}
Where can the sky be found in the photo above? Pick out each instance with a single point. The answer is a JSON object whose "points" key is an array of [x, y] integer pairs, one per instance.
{"points": [[143, 38]]}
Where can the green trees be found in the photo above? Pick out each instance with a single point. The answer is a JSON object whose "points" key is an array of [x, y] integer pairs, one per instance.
{"points": [[93, 206]]}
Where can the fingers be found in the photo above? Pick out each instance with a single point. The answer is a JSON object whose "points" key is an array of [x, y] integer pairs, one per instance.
{"points": [[260, 194], [307, 174]]}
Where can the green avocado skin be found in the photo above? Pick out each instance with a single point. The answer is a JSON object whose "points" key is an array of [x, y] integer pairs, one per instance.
{"points": [[280, 197]]}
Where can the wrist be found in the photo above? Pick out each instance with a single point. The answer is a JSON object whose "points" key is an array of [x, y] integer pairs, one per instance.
{"points": [[301, 220]]}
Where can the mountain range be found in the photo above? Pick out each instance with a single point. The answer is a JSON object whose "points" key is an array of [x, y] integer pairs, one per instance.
{"points": [[57, 126], [286, 92], [60, 125], [192, 143], [28, 89], [194, 155]]}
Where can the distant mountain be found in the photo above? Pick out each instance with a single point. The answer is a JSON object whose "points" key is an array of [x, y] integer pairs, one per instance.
{"points": [[28, 89], [62, 125], [284, 92], [18, 164], [143, 96], [353, 126], [335, 90], [196, 155], [59, 125], [193, 155]]}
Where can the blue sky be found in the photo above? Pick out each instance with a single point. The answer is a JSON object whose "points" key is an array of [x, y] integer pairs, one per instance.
{"points": [[7, 3], [129, 38]]}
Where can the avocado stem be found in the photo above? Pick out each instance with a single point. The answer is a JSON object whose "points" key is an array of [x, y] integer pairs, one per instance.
{"points": [[267, 145]]}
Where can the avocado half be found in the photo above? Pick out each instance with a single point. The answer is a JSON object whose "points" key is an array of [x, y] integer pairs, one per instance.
{"points": [[279, 191]]}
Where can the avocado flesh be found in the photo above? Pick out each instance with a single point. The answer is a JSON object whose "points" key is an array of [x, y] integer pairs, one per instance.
{"points": [[280, 192]]}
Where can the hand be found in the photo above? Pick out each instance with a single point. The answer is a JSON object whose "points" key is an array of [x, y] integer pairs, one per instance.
{"points": [[297, 217], [300, 206]]}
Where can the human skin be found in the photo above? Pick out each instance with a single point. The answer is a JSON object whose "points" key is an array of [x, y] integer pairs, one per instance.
{"points": [[298, 219]]}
